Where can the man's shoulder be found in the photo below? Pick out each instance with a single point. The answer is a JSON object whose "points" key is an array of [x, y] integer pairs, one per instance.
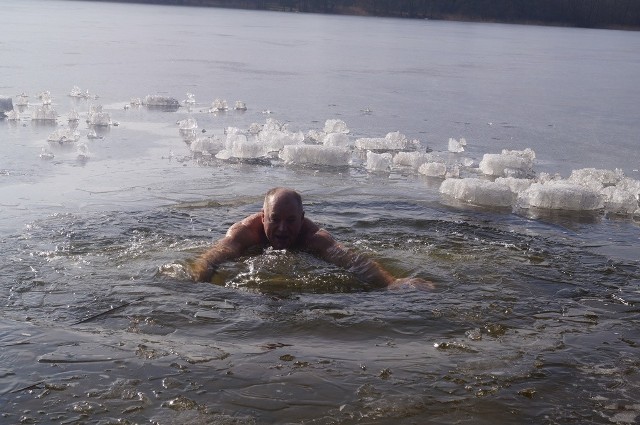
{"points": [[249, 229], [253, 220], [315, 237]]}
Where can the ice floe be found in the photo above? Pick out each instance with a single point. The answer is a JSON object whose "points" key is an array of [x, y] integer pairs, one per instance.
{"points": [[476, 191], [394, 141], [219, 105], [379, 162], [508, 163], [63, 136], [97, 117], [457, 145], [316, 155]]}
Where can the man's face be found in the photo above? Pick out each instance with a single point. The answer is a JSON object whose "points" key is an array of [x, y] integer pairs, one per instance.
{"points": [[282, 221]]}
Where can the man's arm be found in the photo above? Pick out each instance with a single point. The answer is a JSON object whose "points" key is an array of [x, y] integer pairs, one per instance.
{"points": [[240, 237], [321, 243], [324, 246]]}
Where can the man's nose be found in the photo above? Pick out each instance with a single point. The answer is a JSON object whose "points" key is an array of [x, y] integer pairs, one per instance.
{"points": [[281, 226]]}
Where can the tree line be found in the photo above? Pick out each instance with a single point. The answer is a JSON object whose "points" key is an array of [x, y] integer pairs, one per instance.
{"points": [[623, 14]]}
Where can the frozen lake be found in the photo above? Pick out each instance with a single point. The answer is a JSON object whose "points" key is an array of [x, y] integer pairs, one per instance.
{"points": [[534, 318]]}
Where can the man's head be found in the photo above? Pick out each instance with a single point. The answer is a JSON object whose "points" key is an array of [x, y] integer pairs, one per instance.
{"points": [[282, 217]]}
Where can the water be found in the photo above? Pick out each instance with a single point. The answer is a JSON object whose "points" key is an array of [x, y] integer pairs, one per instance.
{"points": [[534, 318]]}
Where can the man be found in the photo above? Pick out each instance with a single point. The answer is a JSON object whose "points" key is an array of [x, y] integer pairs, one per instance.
{"points": [[282, 225]]}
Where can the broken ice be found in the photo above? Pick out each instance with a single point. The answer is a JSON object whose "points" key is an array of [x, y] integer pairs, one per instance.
{"points": [[394, 141], [316, 155]]}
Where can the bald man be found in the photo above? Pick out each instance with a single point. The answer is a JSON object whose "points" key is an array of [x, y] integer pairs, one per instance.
{"points": [[282, 225]]}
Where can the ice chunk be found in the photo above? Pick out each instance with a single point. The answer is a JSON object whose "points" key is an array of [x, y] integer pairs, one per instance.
{"points": [[13, 115], [46, 154], [248, 149], [560, 195], [92, 135], [508, 163], [240, 106], [255, 128], [45, 97], [412, 159], [478, 192], [316, 155], [273, 124], [136, 101], [527, 153], [335, 126], [45, 113], [433, 169], [154, 100], [275, 140], [392, 141], [378, 161], [596, 178], [73, 116], [77, 93], [316, 135], [188, 124], [630, 185], [619, 201], [336, 139], [97, 117], [207, 145], [22, 100], [238, 146], [219, 105], [190, 100], [457, 145], [516, 185], [623, 198], [63, 136]]}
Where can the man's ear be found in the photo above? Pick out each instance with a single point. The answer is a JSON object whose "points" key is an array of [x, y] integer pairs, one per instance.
{"points": [[303, 214]]}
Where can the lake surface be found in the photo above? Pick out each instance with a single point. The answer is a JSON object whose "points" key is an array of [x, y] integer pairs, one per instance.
{"points": [[535, 315]]}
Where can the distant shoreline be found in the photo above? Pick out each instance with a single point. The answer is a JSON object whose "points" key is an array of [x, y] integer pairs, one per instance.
{"points": [[605, 14]]}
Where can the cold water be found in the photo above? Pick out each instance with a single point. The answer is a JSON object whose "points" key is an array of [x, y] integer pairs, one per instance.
{"points": [[131, 151]]}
